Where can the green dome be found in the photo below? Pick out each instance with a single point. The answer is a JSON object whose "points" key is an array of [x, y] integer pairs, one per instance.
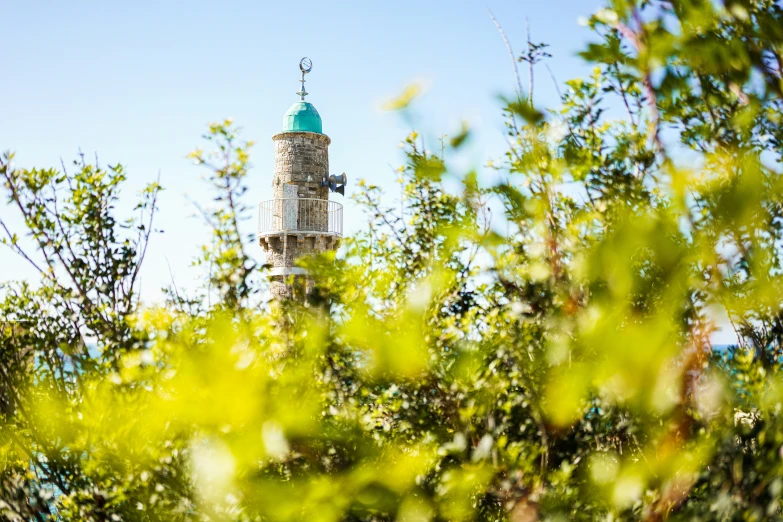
{"points": [[302, 116]]}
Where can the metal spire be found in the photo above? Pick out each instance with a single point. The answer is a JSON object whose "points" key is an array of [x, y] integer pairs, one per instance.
{"points": [[305, 65]]}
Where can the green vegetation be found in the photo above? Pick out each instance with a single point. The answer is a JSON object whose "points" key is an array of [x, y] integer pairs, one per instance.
{"points": [[452, 363]]}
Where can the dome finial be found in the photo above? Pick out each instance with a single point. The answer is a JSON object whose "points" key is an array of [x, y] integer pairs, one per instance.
{"points": [[305, 65]]}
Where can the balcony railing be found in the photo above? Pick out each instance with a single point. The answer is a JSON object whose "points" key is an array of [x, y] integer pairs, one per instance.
{"points": [[305, 215]]}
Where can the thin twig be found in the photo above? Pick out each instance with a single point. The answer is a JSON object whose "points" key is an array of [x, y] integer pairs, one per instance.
{"points": [[554, 81], [147, 234], [173, 282], [530, 62], [510, 52]]}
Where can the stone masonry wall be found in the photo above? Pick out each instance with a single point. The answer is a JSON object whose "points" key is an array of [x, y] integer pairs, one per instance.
{"points": [[301, 158], [301, 163]]}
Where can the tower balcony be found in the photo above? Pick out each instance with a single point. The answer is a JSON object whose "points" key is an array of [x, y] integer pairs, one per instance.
{"points": [[300, 217]]}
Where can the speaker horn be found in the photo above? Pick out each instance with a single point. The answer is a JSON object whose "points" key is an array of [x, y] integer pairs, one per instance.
{"points": [[336, 183], [340, 179]]}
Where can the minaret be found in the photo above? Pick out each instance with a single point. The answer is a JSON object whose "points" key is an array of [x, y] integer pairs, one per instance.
{"points": [[300, 220]]}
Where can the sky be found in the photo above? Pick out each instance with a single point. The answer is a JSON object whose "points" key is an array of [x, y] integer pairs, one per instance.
{"points": [[137, 82]]}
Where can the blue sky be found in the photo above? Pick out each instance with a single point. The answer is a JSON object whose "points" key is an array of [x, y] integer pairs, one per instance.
{"points": [[137, 82]]}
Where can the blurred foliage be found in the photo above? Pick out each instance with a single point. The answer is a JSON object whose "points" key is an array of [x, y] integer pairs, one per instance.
{"points": [[538, 349]]}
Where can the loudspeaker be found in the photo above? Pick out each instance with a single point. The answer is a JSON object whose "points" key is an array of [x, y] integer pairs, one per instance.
{"points": [[336, 183], [342, 179]]}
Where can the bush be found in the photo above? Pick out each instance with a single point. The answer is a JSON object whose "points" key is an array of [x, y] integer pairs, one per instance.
{"points": [[535, 349]]}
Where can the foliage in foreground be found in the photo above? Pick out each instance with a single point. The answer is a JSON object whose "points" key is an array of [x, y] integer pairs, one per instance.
{"points": [[536, 349]]}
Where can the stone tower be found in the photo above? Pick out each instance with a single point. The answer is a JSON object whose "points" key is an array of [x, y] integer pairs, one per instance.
{"points": [[300, 220]]}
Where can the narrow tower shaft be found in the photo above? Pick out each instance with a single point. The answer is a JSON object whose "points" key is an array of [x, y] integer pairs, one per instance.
{"points": [[300, 220]]}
